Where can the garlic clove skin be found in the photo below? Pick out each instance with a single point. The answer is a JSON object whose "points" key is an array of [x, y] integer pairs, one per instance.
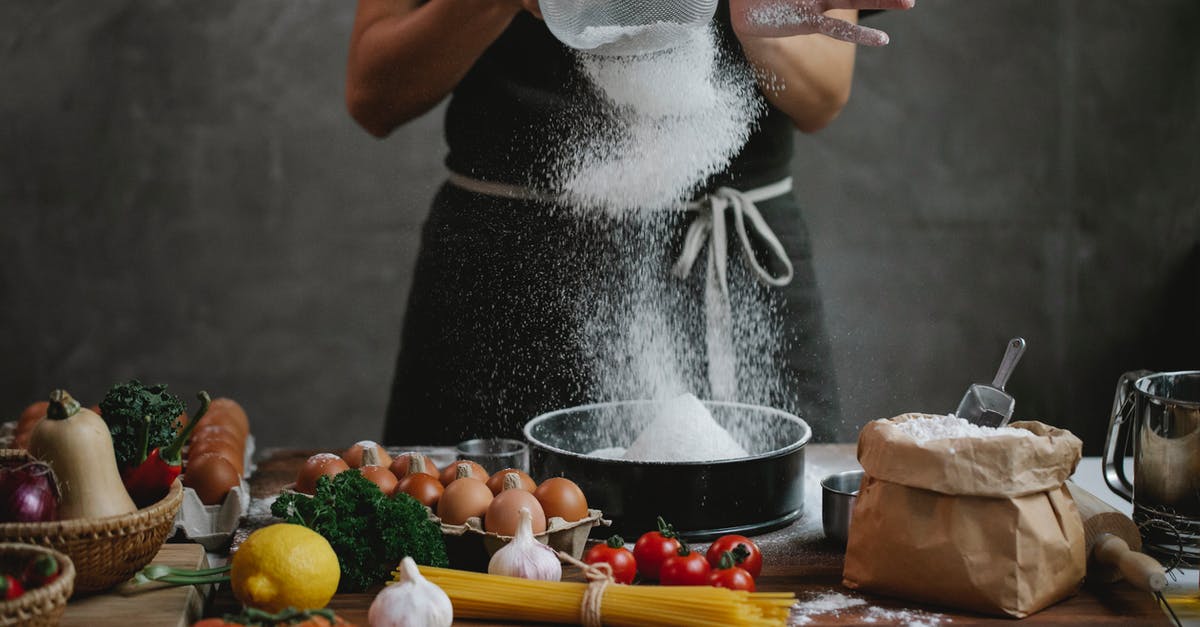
{"points": [[411, 602], [525, 557]]}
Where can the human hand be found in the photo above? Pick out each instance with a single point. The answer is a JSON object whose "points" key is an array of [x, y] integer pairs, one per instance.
{"points": [[785, 18], [532, 7]]}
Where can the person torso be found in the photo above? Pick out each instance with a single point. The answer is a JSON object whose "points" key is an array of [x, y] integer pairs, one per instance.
{"points": [[526, 93]]}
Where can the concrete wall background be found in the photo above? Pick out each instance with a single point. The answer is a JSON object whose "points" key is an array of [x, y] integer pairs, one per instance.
{"points": [[183, 199]]}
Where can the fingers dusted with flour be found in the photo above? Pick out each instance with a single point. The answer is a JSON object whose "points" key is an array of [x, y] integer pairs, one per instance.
{"points": [[787, 18]]}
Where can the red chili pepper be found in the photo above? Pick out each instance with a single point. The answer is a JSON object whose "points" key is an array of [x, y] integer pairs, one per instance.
{"points": [[150, 480], [41, 571], [10, 588]]}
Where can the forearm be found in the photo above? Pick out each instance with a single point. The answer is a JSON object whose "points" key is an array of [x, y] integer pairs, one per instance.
{"points": [[808, 77], [404, 60]]}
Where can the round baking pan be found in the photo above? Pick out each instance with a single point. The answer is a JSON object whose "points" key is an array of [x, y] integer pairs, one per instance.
{"points": [[703, 500]]}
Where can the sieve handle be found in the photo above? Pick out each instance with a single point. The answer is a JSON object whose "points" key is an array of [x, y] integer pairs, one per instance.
{"points": [[1117, 441], [1016, 348]]}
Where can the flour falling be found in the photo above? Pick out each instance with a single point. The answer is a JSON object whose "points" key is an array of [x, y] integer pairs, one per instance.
{"points": [[672, 119]]}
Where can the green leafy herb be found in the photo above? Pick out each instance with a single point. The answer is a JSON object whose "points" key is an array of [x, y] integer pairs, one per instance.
{"points": [[131, 410], [369, 531]]}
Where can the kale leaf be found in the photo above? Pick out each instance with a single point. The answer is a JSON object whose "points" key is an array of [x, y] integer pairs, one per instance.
{"points": [[369, 531], [125, 409]]}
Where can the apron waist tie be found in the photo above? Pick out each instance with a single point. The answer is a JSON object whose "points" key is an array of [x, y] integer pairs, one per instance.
{"points": [[709, 226]]}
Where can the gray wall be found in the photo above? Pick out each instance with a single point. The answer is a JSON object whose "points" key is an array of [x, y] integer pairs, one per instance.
{"points": [[184, 199]]}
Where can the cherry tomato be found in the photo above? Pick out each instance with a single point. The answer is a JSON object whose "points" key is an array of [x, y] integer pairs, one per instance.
{"points": [[749, 557], [614, 553], [10, 588], [653, 548], [727, 574], [685, 568]]}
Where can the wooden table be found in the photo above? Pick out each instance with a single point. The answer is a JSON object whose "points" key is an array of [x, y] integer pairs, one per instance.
{"points": [[166, 607], [797, 559]]}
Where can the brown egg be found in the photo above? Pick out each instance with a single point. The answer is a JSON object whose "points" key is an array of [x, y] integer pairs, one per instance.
{"points": [[321, 464], [400, 464], [381, 477], [425, 488], [504, 512], [562, 498], [450, 473], [228, 412], [212, 432], [354, 454], [496, 482], [232, 454], [464, 498], [212, 477]]}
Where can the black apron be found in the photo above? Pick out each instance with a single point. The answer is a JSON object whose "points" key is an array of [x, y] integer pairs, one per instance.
{"points": [[491, 337]]}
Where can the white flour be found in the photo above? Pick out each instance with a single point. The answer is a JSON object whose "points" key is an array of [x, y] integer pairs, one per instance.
{"points": [[905, 618], [684, 431], [675, 118], [835, 603], [778, 15], [948, 427], [828, 603], [614, 39]]}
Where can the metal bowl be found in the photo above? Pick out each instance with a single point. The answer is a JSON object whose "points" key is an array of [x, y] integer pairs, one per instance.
{"points": [[703, 500], [838, 493]]}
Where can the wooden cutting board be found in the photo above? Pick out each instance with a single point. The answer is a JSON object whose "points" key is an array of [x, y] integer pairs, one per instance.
{"points": [[165, 607]]}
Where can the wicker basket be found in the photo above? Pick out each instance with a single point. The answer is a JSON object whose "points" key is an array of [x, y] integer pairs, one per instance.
{"points": [[106, 551], [40, 607]]}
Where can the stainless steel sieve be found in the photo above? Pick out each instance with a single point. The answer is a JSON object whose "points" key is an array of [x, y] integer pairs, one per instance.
{"points": [[626, 27]]}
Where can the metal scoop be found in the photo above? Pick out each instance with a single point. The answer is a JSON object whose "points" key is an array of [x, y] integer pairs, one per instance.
{"points": [[990, 405]]}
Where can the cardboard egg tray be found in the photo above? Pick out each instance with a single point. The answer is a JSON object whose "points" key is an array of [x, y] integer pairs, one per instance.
{"points": [[212, 526], [469, 547]]}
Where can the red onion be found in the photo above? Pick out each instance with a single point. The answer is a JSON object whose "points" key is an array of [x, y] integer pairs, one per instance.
{"points": [[28, 492]]}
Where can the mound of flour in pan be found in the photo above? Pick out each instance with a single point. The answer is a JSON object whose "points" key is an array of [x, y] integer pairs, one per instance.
{"points": [[683, 431]]}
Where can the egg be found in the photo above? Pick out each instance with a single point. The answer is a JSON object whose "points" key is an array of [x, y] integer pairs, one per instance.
{"points": [[210, 432], [464, 498], [496, 482], [233, 454], [318, 465], [381, 477], [400, 464], [450, 473], [226, 411], [504, 512], [212, 477], [425, 488], [562, 498], [354, 454]]}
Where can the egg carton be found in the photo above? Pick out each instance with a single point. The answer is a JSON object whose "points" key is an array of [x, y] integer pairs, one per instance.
{"points": [[470, 547], [212, 526]]}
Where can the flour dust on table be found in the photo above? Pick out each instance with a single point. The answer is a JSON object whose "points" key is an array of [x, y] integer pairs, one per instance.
{"points": [[833, 603]]}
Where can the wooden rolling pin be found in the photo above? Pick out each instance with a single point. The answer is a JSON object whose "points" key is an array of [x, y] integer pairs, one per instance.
{"points": [[1114, 545]]}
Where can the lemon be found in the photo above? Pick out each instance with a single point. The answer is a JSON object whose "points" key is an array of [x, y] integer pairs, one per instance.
{"points": [[284, 565]]}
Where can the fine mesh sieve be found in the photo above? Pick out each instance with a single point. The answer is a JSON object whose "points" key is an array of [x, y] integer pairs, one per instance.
{"points": [[626, 27]]}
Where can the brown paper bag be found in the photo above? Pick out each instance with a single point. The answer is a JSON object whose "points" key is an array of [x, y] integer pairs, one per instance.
{"points": [[982, 524]]}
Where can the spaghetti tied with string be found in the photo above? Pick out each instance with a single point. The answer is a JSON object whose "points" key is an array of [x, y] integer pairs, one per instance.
{"points": [[603, 601]]}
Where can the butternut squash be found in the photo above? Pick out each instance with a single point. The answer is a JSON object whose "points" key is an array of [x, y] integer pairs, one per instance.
{"points": [[75, 442]]}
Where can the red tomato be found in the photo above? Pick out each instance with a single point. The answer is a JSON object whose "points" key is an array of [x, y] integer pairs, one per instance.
{"points": [[727, 574], [614, 553], [653, 548], [734, 578], [685, 568], [749, 557], [10, 588]]}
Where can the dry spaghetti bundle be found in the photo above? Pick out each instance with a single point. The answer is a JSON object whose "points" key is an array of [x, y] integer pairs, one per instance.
{"points": [[476, 595]]}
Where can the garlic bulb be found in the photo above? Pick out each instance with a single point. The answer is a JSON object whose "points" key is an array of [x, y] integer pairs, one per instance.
{"points": [[411, 602], [525, 557]]}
